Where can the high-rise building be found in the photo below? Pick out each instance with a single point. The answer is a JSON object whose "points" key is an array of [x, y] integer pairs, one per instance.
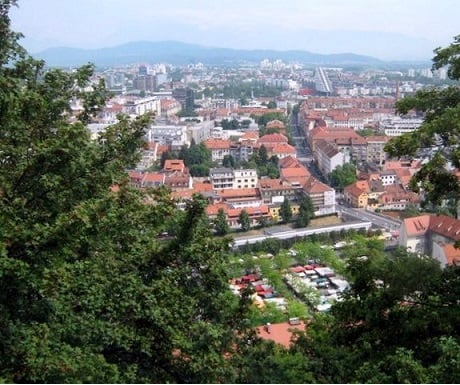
{"points": [[186, 97]]}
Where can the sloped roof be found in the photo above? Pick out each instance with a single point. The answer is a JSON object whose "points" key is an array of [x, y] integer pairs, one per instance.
{"points": [[314, 186], [452, 254], [293, 172], [238, 193], [417, 225], [275, 123], [354, 190], [217, 144], [273, 138], [281, 333], [283, 148], [174, 165], [446, 226], [289, 161]]}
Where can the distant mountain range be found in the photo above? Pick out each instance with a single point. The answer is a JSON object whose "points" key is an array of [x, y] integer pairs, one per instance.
{"points": [[179, 53]]}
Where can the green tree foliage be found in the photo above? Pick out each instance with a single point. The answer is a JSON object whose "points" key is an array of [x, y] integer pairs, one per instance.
{"points": [[441, 110], [306, 212], [286, 211], [266, 166], [228, 161], [268, 117], [263, 155], [365, 132], [87, 292], [244, 220], [167, 155], [220, 224], [271, 104], [343, 176], [230, 124], [197, 157]]}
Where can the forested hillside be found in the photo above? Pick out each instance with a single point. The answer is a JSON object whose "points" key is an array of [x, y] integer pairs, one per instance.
{"points": [[89, 293]]}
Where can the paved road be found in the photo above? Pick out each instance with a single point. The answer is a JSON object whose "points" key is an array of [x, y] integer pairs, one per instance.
{"points": [[383, 222]]}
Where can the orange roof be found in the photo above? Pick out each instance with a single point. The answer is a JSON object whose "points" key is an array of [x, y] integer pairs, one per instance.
{"points": [[182, 194], [250, 135], [162, 148], [289, 161], [282, 333], [273, 138], [153, 177], [213, 209], [283, 148], [292, 172], [446, 226], [174, 165], [275, 124], [252, 211], [314, 186], [238, 193], [202, 186], [417, 225], [217, 144], [278, 184], [354, 190], [452, 254]]}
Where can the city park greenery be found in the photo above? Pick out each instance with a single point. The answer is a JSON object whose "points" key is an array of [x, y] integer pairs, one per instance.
{"points": [[91, 293]]}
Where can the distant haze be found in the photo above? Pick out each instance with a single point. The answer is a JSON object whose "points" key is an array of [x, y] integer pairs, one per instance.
{"points": [[385, 29]]}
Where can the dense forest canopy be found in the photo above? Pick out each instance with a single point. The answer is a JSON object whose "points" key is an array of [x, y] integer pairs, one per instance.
{"points": [[88, 292]]}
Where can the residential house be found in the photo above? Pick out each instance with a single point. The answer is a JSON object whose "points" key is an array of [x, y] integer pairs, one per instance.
{"points": [[142, 179], [245, 178], [256, 215], [228, 178], [321, 195], [178, 181], [281, 150], [276, 124], [172, 165], [396, 197], [375, 149], [356, 195], [219, 148], [328, 157], [433, 235], [388, 177], [275, 190], [270, 140], [221, 178]]}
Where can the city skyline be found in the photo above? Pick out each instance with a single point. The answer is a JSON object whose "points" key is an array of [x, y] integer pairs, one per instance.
{"points": [[388, 30]]}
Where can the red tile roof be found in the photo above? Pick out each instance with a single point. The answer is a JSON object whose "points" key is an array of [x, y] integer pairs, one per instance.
{"points": [[281, 333], [417, 225], [283, 148], [217, 144], [452, 254], [273, 138], [174, 165]]}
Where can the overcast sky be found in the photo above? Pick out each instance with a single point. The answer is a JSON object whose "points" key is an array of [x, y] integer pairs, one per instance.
{"points": [[386, 29]]}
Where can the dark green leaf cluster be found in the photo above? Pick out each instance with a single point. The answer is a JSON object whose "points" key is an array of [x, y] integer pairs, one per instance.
{"points": [[440, 131], [343, 176]]}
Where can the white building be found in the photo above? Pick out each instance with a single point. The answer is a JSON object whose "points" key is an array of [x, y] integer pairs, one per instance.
{"points": [[141, 106], [228, 178], [398, 126], [174, 136], [245, 178], [329, 157]]}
